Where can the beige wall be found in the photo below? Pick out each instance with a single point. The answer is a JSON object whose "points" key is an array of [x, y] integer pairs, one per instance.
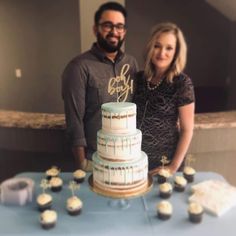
{"points": [[215, 150]]}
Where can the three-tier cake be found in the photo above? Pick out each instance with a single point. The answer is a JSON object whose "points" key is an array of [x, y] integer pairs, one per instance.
{"points": [[119, 165]]}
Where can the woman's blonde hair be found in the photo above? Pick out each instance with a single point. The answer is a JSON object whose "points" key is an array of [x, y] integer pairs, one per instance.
{"points": [[180, 57]]}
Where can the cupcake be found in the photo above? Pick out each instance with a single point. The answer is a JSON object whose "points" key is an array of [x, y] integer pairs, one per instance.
{"points": [[74, 206], [180, 183], [195, 212], [48, 219], [189, 173], [53, 172], [56, 184], [164, 210], [165, 190], [44, 201], [163, 175], [79, 176]]}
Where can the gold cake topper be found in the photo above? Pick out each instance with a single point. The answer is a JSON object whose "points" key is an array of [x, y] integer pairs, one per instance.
{"points": [[121, 84], [164, 160], [73, 186], [189, 160], [44, 184]]}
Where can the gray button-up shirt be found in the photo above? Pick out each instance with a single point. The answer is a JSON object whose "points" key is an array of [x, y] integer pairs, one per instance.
{"points": [[88, 81]]}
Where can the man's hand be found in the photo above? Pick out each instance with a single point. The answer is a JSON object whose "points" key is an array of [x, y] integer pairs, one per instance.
{"points": [[87, 165]]}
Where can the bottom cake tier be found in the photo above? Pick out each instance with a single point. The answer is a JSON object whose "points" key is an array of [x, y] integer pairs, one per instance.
{"points": [[120, 176]]}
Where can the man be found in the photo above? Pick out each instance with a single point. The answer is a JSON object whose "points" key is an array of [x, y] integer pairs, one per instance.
{"points": [[102, 74]]}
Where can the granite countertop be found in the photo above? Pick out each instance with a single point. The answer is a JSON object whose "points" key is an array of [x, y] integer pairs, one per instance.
{"points": [[18, 119]]}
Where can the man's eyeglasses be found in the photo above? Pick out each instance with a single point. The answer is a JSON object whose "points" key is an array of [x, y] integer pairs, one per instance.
{"points": [[108, 27]]}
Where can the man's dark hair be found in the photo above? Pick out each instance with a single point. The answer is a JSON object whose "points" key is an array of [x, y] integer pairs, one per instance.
{"points": [[109, 6]]}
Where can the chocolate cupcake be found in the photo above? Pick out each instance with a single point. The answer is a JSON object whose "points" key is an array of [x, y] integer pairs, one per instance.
{"points": [[52, 172], [164, 210], [74, 206], [180, 183], [165, 190], [44, 201], [56, 184], [48, 219], [189, 173], [163, 175], [79, 176], [195, 212]]}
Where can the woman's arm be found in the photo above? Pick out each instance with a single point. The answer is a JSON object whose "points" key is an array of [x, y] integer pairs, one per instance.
{"points": [[186, 122]]}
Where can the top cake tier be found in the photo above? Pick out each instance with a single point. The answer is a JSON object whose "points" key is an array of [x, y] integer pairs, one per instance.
{"points": [[118, 117]]}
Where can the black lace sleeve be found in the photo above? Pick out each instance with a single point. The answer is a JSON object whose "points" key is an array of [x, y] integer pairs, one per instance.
{"points": [[185, 91]]}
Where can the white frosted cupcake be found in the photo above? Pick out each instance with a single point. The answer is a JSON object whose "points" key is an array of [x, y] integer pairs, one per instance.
{"points": [[48, 219], [189, 173], [56, 184], [195, 212], [163, 175], [74, 205], [165, 190], [164, 210], [79, 176], [52, 172], [180, 183], [44, 201]]}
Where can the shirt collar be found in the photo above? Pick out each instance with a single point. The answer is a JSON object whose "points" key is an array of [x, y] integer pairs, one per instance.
{"points": [[102, 56]]}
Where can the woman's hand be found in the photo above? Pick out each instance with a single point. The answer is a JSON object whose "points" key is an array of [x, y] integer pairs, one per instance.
{"points": [[155, 171], [171, 167]]}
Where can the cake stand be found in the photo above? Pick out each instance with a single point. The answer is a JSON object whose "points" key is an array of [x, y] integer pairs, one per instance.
{"points": [[120, 200]]}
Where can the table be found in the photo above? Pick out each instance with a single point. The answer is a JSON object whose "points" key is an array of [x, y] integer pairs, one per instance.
{"points": [[98, 218]]}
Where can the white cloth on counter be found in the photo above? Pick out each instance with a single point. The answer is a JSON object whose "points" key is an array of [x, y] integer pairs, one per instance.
{"points": [[215, 196]]}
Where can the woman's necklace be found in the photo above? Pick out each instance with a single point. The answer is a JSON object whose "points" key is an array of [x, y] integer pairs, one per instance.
{"points": [[155, 86]]}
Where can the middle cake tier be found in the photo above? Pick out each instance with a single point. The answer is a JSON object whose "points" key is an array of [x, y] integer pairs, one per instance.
{"points": [[118, 147]]}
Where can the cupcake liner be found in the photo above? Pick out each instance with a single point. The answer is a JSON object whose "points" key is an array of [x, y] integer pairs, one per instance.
{"points": [[74, 212], [48, 225], [79, 180], [165, 195], [56, 189], [189, 178], [163, 216], [195, 218]]}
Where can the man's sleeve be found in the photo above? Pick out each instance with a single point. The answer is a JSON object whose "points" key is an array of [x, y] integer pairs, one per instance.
{"points": [[73, 92]]}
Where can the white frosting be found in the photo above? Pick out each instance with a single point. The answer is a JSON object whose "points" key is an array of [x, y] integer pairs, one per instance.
{"points": [[74, 203], [119, 118], [44, 198], [195, 208], [48, 216], [164, 172], [165, 207], [54, 171], [180, 180], [119, 147], [55, 182], [79, 174], [189, 170], [165, 187], [120, 174]]}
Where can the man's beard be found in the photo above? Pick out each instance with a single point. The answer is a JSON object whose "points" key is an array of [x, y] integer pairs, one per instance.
{"points": [[106, 45]]}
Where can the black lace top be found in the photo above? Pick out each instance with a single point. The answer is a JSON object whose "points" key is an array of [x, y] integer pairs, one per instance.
{"points": [[157, 115]]}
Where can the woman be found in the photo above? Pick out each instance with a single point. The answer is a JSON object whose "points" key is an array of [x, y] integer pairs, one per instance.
{"points": [[165, 99]]}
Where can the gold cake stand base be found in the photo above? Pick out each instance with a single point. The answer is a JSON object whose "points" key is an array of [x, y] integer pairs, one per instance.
{"points": [[119, 194]]}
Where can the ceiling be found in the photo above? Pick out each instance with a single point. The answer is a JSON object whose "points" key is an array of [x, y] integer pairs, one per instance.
{"points": [[226, 7]]}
